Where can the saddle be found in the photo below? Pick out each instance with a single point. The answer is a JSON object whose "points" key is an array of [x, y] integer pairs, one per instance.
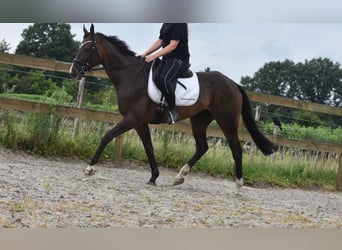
{"points": [[186, 92]]}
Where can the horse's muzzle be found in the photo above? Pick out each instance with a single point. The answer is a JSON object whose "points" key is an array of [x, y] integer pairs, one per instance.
{"points": [[75, 73]]}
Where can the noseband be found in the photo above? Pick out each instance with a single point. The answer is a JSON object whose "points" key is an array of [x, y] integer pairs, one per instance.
{"points": [[85, 66]]}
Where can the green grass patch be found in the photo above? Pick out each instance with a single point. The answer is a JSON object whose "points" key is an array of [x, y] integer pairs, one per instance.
{"points": [[289, 172]]}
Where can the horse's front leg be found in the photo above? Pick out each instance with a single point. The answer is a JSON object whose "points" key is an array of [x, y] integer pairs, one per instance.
{"points": [[145, 136], [124, 125]]}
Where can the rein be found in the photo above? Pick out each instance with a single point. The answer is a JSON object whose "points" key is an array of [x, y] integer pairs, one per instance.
{"points": [[86, 67]]}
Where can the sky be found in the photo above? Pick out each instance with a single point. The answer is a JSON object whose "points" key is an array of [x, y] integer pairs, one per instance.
{"points": [[237, 49]]}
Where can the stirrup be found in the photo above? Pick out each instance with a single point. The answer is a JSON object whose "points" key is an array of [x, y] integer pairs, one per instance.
{"points": [[173, 116]]}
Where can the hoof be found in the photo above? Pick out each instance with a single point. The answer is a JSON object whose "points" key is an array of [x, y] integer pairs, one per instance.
{"points": [[239, 185], [152, 183], [178, 181], [89, 171]]}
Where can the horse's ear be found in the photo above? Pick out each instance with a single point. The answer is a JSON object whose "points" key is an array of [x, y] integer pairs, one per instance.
{"points": [[85, 30], [92, 29]]}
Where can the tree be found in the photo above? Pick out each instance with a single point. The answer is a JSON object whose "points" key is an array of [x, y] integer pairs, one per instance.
{"points": [[4, 68], [317, 80], [274, 78], [4, 46], [48, 40]]}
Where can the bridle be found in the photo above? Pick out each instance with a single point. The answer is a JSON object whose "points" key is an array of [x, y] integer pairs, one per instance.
{"points": [[85, 66]]}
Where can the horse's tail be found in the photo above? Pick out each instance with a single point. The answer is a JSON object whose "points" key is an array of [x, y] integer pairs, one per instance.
{"points": [[265, 145]]}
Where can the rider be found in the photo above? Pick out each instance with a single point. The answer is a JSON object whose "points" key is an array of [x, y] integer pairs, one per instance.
{"points": [[175, 60]]}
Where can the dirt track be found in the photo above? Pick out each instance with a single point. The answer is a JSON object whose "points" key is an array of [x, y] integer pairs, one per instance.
{"points": [[40, 192]]}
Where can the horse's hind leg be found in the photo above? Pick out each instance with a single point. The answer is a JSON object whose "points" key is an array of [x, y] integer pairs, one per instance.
{"points": [[199, 124], [230, 130]]}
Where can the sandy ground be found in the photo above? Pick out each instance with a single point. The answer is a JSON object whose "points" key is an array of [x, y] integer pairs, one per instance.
{"points": [[40, 192]]}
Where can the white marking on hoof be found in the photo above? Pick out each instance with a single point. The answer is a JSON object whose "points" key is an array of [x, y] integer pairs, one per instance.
{"points": [[89, 171], [239, 185], [179, 179]]}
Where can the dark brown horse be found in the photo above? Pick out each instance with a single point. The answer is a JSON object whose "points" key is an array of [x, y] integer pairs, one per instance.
{"points": [[220, 99]]}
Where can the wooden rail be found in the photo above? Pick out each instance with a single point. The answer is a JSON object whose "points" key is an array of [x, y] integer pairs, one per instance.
{"points": [[291, 103]]}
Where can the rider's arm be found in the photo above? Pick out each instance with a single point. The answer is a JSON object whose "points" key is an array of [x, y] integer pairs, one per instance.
{"points": [[155, 46], [169, 48]]}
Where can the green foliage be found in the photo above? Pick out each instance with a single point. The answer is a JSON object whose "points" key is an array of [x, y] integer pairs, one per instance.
{"points": [[5, 76], [37, 133], [307, 118], [44, 133], [297, 131], [35, 83], [317, 80], [40, 85], [60, 96], [288, 173], [275, 78], [104, 99], [9, 135], [48, 40], [98, 91], [70, 87], [4, 46]]}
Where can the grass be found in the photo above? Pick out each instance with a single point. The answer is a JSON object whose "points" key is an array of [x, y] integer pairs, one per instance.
{"points": [[287, 170], [48, 135], [295, 131], [290, 174]]}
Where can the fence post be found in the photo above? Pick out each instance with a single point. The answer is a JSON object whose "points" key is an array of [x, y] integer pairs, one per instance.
{"points": [[118, 148], [339, 173], [257, 119], [257, 113], [275, 133], [78, 105]]}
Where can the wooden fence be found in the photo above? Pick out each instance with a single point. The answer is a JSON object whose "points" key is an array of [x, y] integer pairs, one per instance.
{"points": [[30, 106]]}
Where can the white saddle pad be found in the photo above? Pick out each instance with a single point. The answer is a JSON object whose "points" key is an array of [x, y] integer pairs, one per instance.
{"points": [[184, 97]]}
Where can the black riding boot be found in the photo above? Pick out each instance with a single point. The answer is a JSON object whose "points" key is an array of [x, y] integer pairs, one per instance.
{"points": [[170, 99]]}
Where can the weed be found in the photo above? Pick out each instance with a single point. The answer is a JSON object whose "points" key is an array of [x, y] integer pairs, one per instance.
{"points": [[16, 207], [47, 186]]}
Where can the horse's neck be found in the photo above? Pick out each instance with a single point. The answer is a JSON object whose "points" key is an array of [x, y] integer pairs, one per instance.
{"points": [[123, 71], [115, 67]]}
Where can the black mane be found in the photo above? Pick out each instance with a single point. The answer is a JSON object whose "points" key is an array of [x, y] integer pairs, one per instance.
{"points": [[121, 45]]}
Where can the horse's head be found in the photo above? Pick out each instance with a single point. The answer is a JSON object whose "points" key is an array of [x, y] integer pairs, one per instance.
{"points": [[87, 55]]}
